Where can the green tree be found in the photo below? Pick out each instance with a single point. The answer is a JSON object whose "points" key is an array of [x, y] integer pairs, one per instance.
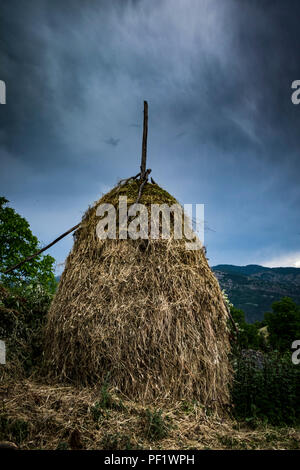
{"points": [[248, 337], [283, 324], [16, 243]]}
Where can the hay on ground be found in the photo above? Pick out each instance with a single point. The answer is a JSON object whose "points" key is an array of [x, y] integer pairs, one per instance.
{"points": [[40, 416]]}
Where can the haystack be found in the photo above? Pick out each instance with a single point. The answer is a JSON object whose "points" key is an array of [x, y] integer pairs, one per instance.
{"points": [[148, 315]]}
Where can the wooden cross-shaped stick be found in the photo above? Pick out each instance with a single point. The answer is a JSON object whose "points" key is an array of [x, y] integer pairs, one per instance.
{"points": [[144, 173], [144, 144]]}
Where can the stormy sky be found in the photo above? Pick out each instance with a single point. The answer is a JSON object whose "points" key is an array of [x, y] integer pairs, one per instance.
{"points": [[222, 127]]}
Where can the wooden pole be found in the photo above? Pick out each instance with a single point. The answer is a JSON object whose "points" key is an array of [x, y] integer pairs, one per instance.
{"points": [[144, 144], [41, 251], [143, 178]]}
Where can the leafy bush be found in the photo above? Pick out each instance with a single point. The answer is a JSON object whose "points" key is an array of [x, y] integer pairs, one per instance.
{"points": [[248, 334], [283, 324], [267, 391], [23, 313], [25, 293], [17, 243]]}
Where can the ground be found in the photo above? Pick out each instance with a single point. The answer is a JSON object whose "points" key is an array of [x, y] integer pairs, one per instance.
{"points": [[41, 416]]}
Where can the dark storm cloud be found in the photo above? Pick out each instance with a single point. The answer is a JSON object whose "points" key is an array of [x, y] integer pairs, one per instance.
{"points": [[222, 132]]}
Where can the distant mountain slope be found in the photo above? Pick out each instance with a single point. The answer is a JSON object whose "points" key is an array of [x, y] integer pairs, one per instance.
{"points": [[254, 288]]}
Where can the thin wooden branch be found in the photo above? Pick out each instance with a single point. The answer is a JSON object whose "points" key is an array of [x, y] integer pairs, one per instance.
{"points": [[143, 184], [144, 144], [12, 268], [126, 180]]}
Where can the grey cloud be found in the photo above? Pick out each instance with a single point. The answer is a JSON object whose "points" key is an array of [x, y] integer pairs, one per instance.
{"points": [[222, 129]]}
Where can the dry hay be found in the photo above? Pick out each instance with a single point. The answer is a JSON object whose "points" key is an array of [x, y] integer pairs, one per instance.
{"points": [[43, 416], [148, 314]]}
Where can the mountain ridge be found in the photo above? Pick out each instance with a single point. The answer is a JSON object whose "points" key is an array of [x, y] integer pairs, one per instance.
{"points": [[253, 288]]}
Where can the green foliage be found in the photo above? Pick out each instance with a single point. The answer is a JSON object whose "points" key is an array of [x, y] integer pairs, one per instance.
{"points": [[23, 314], [255, 288], [266, 385], [156, 426], [283, 327], [16, 243], [97, 412], [268, 391], [248, 334], [283, 324], [106, 402], [188, 407], [13, 430]]}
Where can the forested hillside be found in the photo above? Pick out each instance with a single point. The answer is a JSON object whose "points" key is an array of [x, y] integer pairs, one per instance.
{"points": [[254, 288]]}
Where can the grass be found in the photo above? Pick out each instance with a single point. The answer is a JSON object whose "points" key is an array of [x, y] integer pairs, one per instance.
{"points": [[15, 430], [156, 426]]}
